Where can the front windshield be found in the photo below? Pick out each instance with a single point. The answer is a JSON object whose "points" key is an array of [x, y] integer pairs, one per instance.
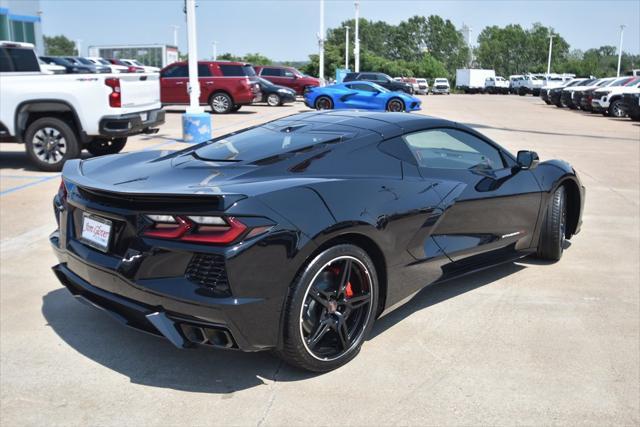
{"points": [[85, 61], [620, 82], [104, 61], [633, 82], [136, 62]]}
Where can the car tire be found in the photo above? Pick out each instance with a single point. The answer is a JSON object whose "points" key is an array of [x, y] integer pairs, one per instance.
{"points": [[395, 105], [50, 142], [616, 109], [104, 146], [221, 103], [553, 232], [316, 335], [547, 102], [323, 103], [273, 100]]}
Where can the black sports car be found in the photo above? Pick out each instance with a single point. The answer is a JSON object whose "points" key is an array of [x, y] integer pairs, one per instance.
{"points": [[297, 234], [275, 95]]}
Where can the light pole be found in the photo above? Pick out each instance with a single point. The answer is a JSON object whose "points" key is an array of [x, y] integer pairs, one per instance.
{"points": [[321, 41], [175, 34], [215, 50], [620, 49], [550, 49], [196, 124], [346, 49], [79, 47], [356, 41]]}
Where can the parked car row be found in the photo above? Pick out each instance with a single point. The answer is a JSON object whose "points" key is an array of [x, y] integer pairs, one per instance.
{"points": [[421, 85], [81, 65], [610, 96]]}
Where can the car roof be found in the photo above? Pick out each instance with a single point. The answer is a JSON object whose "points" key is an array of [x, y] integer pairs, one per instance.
{"points": [[384, 123]]}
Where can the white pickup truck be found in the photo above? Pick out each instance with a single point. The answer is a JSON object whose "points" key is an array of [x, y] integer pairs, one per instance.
{"points": [[56, 116]]}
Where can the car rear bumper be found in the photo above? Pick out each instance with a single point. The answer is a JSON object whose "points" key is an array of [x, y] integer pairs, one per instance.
{"points": [[166, 307], [131, 124]]}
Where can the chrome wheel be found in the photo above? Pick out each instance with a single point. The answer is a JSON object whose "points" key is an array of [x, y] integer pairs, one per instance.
{"points": [[49, 145], [336, 309], [617, 110], [395, 105], [221, 103], [273, 100]]}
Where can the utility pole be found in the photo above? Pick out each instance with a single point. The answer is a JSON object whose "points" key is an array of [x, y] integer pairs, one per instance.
{"points": [[356, 41], [550, 49], [175, 34], [346, 49], [620, 48], [215, 50], [321, 41]]}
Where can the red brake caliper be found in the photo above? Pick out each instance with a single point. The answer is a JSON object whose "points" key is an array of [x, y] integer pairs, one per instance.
{"points": [[348, 291]]}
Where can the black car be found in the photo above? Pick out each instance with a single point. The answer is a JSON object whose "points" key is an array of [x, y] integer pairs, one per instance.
{"points": [[297, 234], [69, 66], [275, 95], [555, 94], [100, 68], [631, 102], [381, 79]]}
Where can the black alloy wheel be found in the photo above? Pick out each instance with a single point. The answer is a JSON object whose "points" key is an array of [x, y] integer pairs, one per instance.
{"points": [[554, 227], [395, 105], [324, 103], [331, 309]]}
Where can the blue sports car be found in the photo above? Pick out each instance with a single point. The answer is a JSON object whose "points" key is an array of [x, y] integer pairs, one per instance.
{"points": [[360, 95]]}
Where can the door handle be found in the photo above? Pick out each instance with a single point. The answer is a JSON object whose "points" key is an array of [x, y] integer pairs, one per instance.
{"points": [[208, 83], [179, 83]]}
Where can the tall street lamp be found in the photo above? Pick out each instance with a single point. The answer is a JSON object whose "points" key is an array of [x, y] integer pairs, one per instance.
{"points": [[356, 41], [550, 48], [346, 49], [620, 48], [321, 41]]}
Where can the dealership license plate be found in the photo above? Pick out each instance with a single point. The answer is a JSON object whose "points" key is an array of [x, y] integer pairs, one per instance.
{"points": [[96, 231], [144, 116]]}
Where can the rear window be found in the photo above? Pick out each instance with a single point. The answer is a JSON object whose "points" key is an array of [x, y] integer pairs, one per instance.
{"points": [[263, 142], [229, 70], [18, 60]]}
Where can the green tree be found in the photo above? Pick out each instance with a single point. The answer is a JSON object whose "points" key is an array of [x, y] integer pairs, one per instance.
{"points": [[59, 46], [257, 59]]}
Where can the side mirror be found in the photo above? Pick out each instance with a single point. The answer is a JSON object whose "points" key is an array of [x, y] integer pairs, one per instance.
{"points": [[527, 159]]}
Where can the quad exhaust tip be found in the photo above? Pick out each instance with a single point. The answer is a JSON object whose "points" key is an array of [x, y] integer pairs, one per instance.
{"points": [[184, 335]]}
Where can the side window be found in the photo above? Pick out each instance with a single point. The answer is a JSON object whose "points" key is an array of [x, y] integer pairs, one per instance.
{"points": [[452, 149], [204, 70], [287, 73], [274, 72], [363, 87], [365, 76], [177, 71], [18, 60]]}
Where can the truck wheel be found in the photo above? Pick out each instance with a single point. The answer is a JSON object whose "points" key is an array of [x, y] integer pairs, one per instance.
{"points": [[221, 103], [616, 109], [104, 146], [50, 142]]}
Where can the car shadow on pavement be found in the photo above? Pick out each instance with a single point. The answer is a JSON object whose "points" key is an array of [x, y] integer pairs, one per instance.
{"points": [[439, 292], [18, 160], [153, 361], [178, 111]]}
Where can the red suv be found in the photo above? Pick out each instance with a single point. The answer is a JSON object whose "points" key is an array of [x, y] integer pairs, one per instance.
{"points": [[224, 86], [287, 76]]}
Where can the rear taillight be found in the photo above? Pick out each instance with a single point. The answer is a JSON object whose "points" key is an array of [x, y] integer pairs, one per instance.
{"points": [[115, 97], [196, 229]]}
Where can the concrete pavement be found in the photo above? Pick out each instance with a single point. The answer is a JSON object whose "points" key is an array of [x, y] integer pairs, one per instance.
{"points": [[523, 343]]}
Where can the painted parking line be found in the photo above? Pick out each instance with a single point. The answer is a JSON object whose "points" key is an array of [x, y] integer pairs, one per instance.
{"points": [[21, 177], [28, 184]]}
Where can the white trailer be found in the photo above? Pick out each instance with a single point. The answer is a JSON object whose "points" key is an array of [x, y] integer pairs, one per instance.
{"points": [[472, 80]]}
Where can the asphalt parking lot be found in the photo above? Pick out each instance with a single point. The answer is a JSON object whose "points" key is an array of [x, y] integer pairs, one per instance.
{"points": [[523, 343]]}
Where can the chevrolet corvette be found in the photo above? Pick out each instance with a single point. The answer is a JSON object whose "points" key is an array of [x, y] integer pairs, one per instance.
{"points": [[360, 95], [297, 234]]}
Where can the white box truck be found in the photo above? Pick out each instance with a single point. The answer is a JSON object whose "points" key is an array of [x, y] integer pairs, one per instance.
{"points": [[472, 80]]}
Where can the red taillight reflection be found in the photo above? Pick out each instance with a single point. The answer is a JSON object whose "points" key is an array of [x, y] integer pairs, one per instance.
{"points": [[188, 231], [62, 191]]}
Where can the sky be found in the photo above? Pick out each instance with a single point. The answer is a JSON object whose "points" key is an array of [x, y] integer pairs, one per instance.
{"points": [[287, 29]]}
